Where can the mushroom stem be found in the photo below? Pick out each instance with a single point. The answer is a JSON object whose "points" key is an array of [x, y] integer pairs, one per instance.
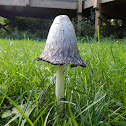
{"points": [[60, 82]]}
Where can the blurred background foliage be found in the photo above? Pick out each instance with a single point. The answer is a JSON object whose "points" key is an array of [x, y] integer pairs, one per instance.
{"points": [[37, 29], [23, 27]]}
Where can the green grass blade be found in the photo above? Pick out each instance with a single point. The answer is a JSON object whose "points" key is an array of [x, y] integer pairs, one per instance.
{"points": [[29, 121], [98, 35], [25, 108], [36, 99], [91, 105], [110, 116], [72, 116], [3, 97], [48, 115], [68, 123], [118, 123], [42, 113], [11, 120]]}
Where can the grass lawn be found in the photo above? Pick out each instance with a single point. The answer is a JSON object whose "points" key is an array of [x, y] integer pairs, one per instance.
{"points": [[94, 96]]}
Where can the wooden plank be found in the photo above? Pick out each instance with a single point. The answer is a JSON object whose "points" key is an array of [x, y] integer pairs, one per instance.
{"points": [[27, 2], [54, 4], [97, 21], [105, 1], [63, 4], [13, 2], [79, 6], [79, 24], [97, 4], [79, 17], [90, 3], [61, 0]]}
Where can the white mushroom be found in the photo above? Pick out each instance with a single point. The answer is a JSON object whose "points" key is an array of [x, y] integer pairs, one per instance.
{"points": [[61, 48]]}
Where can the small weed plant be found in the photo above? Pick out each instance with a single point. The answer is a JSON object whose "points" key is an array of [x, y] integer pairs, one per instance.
{"points": [[94, 96]]}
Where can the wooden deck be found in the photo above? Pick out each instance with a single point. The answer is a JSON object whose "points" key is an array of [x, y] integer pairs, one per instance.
{"points": [[90, 3], [44, 8], [52, 8], [60, 4]]}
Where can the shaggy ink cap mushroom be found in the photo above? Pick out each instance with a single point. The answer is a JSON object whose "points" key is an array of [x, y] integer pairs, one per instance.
{"points": [[61, 45]]}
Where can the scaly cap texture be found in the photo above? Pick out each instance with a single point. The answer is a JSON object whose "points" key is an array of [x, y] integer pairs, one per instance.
{"points": [[61, 45]]}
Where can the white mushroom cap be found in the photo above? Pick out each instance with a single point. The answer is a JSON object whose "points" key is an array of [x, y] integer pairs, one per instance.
{"points": [[61, 45]]}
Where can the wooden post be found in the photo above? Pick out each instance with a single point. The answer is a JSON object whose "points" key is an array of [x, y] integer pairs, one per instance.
{"points": [[79, 17], [97, 15], [27, 2]]}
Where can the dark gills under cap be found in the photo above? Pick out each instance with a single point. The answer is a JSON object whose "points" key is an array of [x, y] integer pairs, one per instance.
{"points": [[61, 45]]}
